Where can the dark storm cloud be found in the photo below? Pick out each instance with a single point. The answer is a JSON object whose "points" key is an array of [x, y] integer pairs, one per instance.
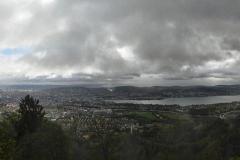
{"points": [[231, 43], [116, 41]]}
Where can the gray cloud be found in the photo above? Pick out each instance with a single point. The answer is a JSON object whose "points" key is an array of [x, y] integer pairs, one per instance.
{"points": [[125, 42]]}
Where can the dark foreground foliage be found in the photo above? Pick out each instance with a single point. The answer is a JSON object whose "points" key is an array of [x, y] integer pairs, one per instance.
{"points": [[28, 136], [171, 138]]}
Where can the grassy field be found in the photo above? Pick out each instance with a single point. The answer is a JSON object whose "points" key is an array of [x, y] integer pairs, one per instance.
{"points": [[143, 115]]}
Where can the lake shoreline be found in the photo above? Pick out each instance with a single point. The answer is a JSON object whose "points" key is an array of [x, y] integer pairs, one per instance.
{"points": [[184, 101]]}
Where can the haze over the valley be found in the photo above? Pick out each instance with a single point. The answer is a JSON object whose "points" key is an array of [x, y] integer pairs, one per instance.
{"points": [[112, 42]]}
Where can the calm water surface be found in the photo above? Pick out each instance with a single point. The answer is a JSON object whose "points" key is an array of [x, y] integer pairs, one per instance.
{"points": [[185, 101]]}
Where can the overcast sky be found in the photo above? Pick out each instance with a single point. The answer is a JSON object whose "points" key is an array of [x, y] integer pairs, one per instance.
{"points": [[120, 42]]}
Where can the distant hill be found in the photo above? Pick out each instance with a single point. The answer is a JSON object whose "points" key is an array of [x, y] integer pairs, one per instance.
{"points": [[27, 87], [155, 92]]}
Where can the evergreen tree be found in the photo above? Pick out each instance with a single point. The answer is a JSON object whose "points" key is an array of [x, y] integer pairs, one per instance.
{"points": [[31, 116]]}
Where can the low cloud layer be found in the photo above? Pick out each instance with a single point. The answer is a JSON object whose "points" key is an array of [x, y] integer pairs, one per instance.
{"points": [[112, 42]]}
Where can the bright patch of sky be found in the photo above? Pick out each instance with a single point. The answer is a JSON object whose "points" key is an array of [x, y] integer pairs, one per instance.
{"points": [[46, 2], [126, 53], [15, 51]]}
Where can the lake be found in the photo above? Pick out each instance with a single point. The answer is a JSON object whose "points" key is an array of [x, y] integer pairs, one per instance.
{"points": [[186, 101]]}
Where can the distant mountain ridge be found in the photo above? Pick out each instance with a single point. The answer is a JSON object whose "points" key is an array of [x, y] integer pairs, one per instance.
{"points": [[155, 92], [27, 87]]}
